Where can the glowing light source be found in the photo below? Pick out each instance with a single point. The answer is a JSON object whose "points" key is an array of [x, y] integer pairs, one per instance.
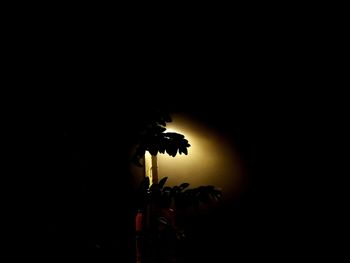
{"points": [[151, 168], [211, 159], [173, 130]]}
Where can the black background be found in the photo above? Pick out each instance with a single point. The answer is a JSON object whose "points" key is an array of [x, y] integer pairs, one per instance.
{"points": [[89, 88]]}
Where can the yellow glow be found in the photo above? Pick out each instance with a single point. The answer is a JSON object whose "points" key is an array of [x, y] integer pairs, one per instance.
{"points": [[151, 168], [148, 165], [172, 130], [211, 159]]}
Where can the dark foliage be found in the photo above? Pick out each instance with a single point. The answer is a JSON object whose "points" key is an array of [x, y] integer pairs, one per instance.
{"points": [[154, 138], [178, 196]]}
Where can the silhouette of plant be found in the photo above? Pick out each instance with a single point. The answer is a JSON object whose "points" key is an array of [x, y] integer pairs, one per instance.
{"points": [[177, 196], [161, 203], [153, 138]]}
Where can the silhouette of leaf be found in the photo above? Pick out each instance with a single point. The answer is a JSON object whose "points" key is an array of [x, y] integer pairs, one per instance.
{"points": [[184, 185], [167, 189], [175, 190], [171, 150], [155, 193], [162, 122], [204, 197], [152, 150], [154, 186], [162, 182], [161, 148], [217, 193], [161, 129], [208, 188]]}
